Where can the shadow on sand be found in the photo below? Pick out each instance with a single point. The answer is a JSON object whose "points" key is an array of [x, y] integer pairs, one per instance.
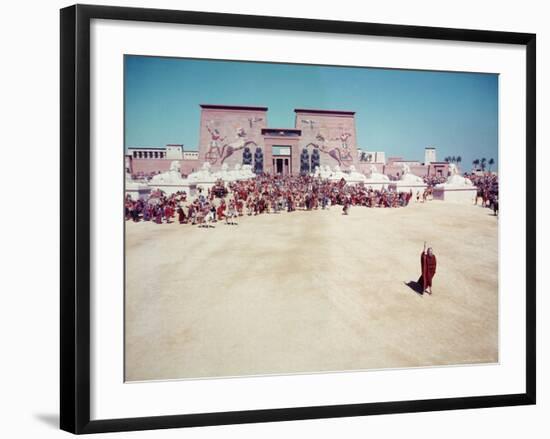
{"points": [[415, 286]]}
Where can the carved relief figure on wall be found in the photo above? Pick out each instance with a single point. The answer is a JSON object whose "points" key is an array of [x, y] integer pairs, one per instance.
{"points": [[216, 154], [341, 154]]}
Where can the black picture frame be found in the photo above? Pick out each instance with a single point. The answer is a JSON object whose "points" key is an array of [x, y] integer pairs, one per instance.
{"points": [[75, 218]]}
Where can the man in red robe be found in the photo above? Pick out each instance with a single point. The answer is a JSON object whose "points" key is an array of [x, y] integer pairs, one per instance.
{"points": [[220, 211], [428, 265]]}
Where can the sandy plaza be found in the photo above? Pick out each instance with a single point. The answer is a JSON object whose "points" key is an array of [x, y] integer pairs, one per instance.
{"points": [[311, 291]]}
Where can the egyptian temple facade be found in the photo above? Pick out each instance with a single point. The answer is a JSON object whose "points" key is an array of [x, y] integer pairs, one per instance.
{"points": [[241, 135]]}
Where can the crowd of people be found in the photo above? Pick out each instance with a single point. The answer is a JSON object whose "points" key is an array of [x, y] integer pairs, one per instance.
{"points": [[432, 180], [487, 190], [429, 180], [262, 195], [275, 194]]}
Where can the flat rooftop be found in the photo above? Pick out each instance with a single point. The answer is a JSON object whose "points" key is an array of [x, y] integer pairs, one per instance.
{"points": [[321, 111], [232, 107]]}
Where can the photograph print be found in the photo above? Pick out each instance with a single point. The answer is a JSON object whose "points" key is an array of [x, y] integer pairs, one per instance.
{"points": [[297, 219]]}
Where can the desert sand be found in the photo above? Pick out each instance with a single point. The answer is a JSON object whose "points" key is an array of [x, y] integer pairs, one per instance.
{"points": [[311, 292]]}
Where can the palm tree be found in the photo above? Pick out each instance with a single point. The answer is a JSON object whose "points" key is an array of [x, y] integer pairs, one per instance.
{"points": [[491, 163], [475, 163], [458, 159], [483, 162]]}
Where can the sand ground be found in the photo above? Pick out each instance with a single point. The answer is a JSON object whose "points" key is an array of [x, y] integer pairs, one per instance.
{"points": [[311, 291]]}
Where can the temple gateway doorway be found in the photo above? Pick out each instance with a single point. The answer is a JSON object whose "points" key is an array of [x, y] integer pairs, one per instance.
{"points": [[282, 159]]}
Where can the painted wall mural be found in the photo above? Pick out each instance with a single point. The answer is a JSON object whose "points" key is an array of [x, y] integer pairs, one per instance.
{"points": [[219, 151], [227, 131], [331, 134], [233, 134]]}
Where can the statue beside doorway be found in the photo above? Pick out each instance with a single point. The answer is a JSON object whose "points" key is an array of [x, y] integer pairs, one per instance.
{"points": [[247, 156], [315, 159], [258, 161], [304, 162]]}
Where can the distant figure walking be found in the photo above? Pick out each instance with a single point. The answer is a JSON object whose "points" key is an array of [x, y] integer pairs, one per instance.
{"points": [[428, 265], [345, 209]]}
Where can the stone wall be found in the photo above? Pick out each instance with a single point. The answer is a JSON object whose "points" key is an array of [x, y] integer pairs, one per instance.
{"points": [[366, 167], [153, 166], [332, 133], [226, 130]]}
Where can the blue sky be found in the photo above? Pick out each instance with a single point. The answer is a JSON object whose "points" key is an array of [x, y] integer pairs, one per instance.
{"points": [[397, 111]]}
